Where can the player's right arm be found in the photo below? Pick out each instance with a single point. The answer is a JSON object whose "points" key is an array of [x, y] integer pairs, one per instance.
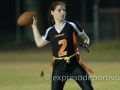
{"points": [[40, 42]]}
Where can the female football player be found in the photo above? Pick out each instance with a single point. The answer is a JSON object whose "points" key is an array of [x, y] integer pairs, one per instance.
{"points": [[62, 35]]}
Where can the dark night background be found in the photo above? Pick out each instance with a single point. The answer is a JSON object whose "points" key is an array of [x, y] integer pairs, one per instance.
{"points": [[21, 61], [8, 17]]}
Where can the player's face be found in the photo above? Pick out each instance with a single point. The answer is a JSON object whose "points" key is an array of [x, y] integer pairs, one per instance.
{"points": [[59, 13]]}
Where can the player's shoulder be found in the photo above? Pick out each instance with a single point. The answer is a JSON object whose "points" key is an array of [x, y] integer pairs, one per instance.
{"points": [[74, 23], [49, 28], [76, 26]]}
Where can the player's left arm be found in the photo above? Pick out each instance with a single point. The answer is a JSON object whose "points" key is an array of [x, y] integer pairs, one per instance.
{"points": [[80, 32], [86, 41], [85, 38]]}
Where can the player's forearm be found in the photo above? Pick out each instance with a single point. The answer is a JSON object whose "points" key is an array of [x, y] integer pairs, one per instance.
{"points": [[85, 38], [37, 35]]}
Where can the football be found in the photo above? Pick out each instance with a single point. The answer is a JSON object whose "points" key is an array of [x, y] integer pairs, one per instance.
{"points": [[26, 18]]}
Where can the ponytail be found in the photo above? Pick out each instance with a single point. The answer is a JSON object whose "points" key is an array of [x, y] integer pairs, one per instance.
{"points": [[51, 20]]}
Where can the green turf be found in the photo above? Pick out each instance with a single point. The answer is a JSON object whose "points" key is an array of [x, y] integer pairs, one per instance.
{"points": [[20, 69]]}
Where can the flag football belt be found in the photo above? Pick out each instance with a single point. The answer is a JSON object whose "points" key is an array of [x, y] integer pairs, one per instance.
{"points": [[67, 59]]}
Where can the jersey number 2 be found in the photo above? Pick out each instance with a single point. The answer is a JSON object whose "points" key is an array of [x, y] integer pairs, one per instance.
{"points": [[62, 51]]}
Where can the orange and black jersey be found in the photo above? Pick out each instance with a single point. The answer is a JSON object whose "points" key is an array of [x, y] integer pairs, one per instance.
{"points": [[64, 43]]}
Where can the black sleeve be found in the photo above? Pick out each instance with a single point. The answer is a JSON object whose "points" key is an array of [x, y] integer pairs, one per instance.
{"points": [[78, 26], [46, 35]]}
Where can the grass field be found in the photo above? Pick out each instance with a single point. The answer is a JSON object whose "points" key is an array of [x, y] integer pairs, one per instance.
{"points": [[20, 69]]}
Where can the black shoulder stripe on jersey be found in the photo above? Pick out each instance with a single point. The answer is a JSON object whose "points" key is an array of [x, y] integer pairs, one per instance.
{"points": [[78, 26]]}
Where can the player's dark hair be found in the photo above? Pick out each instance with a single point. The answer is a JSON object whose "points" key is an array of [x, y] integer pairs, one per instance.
{"points": [[52, 8]]}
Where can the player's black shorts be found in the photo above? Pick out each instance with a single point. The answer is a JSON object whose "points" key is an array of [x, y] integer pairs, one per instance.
{"points": [[78, 74]]}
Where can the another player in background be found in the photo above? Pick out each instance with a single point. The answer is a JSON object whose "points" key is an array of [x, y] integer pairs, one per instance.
{"points": [[62, 35]]}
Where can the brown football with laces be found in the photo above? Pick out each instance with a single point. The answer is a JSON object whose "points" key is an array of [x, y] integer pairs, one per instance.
{"points": [[26, 18]]}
